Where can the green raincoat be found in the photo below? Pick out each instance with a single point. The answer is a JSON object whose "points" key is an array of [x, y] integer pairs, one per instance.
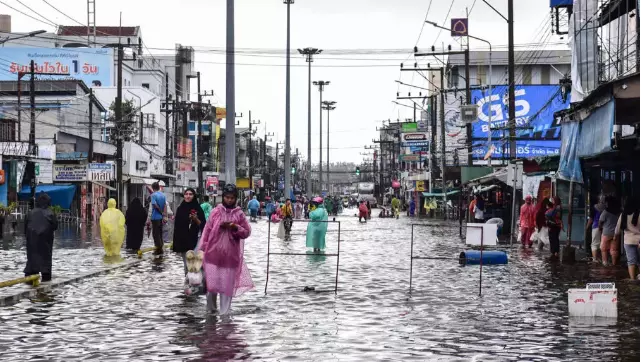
{"points": [[316, 230]]}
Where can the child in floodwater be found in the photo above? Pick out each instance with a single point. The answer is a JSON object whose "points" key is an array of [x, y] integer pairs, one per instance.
{"points": [[223, 243]]}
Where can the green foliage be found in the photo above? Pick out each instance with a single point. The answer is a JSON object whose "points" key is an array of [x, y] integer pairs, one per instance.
{"points": [[126, 128], [8, 209], [57, 209]]}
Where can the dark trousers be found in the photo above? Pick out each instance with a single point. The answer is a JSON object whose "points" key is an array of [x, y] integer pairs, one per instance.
{"points": [[553, 234], [156, 231]]}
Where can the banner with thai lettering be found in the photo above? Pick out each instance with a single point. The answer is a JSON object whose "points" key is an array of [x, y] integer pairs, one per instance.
{"points": [[538, 134], [94, 66]]}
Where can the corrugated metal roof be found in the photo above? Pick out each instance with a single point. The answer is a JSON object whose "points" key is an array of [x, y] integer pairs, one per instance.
{"points": [[530, 57], [100, 30]]}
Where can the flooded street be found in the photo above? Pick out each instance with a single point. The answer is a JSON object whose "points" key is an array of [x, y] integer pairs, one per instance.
{"points": [[142, 314]]}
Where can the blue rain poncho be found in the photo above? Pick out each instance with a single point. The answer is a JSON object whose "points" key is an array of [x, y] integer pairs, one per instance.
{"points": [[316, 230]]}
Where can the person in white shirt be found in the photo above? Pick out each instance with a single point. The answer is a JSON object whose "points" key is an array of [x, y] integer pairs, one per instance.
{"points": [[479, 209], [628, 225]]}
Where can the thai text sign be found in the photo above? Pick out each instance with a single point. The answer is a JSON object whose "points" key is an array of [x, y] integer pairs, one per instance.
{"points": [[100, 172], [94, 66], [69, 172]]}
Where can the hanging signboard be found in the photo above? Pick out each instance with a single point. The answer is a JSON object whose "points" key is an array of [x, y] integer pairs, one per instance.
{"points": [[211, 185], [100, 172], [409, 127], [45, 172], [69, 173], [414, 139]]}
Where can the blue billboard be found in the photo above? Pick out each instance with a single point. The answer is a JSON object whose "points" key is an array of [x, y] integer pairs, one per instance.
{"points": [[537, 133], [93, 66]]}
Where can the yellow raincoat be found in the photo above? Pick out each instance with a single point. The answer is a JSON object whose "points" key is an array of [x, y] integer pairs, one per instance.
{"points": [[112, 229]]}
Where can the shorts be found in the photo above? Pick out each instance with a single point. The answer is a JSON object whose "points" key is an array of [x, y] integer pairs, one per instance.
{"points": [[632, 254], [596, 239], [608, 243]]}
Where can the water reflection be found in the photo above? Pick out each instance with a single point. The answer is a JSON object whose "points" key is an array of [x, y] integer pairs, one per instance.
{"points": [[141, 313]]}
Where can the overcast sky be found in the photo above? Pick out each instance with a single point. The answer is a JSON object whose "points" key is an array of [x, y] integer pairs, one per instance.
{"points": [[362, 86]]}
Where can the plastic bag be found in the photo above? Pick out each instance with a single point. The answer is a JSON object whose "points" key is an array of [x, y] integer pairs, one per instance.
{"points": [[281, 231]]}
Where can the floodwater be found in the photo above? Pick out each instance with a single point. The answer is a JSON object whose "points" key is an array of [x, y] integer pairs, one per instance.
{"points": [[141, 313]]}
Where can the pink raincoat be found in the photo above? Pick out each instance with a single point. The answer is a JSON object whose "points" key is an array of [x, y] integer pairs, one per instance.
{"points": [[225, 269]]}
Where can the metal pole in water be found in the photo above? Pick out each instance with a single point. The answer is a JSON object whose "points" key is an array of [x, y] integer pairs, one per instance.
{"points": [[481, 266], [269, 228], [338, 257], [411, 258]]}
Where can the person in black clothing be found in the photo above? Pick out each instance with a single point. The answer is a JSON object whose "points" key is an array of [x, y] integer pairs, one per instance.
{"points": [[189, 220], [39, 227], [135, 219]]}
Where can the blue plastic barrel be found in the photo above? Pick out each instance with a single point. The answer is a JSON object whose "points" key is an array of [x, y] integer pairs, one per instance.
{"points": [[473, 257]]}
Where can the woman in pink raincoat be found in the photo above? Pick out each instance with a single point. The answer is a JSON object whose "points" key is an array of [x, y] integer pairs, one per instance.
{"points": [[222, 242]]}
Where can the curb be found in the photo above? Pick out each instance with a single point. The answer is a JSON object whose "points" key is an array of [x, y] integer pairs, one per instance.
{"points": [[48, 287]]}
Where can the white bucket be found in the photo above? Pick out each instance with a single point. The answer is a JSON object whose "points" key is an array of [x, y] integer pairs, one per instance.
{"points": [[596, 300]]}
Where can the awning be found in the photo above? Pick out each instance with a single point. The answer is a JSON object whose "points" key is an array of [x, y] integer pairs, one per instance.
{"points": [[163, 175], [440, 194], [103, 185], [141, 180], [499, 175], [61, 194]]}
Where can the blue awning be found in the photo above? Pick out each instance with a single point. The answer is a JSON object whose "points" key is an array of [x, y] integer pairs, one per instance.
{"points": [[61, 194]]}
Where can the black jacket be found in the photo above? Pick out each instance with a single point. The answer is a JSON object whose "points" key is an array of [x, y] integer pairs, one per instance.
{"points": [[39, 230], [186, 237]]}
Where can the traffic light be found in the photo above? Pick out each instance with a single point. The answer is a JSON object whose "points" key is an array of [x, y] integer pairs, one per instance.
{"points": [[358, 171], [293, 170]]}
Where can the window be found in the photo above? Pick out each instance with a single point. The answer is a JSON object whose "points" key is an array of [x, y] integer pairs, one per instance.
{"points": [[145, 85], [545, 74], [527, 74], [454, 77], [7, 130], [481, 74]]}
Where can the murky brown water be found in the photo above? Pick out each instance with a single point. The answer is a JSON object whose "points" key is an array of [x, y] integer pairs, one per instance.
{"points": [[142, 314]]}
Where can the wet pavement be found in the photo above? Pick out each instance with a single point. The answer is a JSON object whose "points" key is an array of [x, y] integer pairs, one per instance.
{"points": [[141, 313]]}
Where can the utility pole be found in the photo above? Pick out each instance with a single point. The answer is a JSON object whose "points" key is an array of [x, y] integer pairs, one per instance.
{"points": [[468, 99], [90, 153], [230, 144], [168, 155], [510, 76], [309, 53], [32, 103], [119, 144], [199, 138], [321, 86], [443, 154], [328, 106], [251, 164], [287, 160]]}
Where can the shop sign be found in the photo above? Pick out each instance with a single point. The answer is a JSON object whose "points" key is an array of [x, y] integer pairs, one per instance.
{"points": [[414, 139], [100, 172], [69, 173], [420, 186], [44, 172], [71, 156]]}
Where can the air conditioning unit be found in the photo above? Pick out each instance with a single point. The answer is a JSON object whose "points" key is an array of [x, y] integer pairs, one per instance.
{"points": [[469, 113]]}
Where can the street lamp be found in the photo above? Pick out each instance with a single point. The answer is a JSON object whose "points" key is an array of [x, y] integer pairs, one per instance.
{"points": [[321, 86], [28, 35], [309, 52], [489, 132], [328, 106], [287, 108]]}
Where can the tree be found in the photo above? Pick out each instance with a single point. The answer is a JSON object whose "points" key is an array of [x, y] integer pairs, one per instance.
{"points": [[126, 128]]}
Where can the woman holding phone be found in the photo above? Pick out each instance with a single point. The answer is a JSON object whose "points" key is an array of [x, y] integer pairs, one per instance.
{"points": [[223, 243]]}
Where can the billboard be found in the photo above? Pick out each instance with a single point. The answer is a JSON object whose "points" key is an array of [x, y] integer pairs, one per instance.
{"points": [[535, 107], [419, 139], [92, 65]]}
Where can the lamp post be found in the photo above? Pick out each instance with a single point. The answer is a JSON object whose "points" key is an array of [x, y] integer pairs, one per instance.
{"points": [[328, 106], [287, 110], [308, 53], [28, 35], [321, 86], [489, 132], [230, 95]]}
